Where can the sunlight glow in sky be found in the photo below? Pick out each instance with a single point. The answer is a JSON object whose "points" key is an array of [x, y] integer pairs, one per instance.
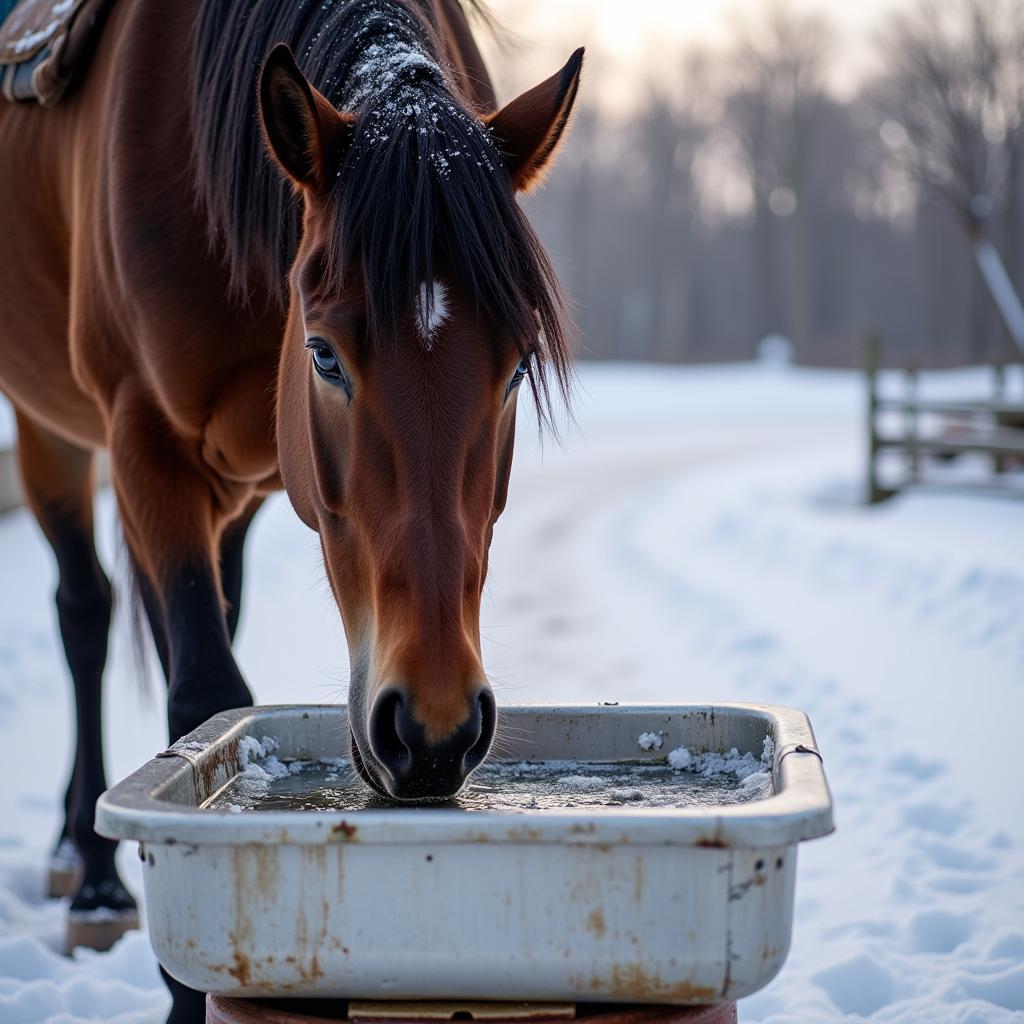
{"points": [[631, 36]]}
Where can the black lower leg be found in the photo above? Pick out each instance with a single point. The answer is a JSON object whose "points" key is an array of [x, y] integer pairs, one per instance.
{"points": [[84, 605], [203, 679], [69, 793], [204, 676]]}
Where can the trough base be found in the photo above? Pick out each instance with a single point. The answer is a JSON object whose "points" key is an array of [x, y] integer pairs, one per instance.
{"points": [[222, 1010]]}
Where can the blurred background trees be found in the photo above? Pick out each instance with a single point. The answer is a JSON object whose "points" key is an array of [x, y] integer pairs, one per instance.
{"points": [[740, 195]]}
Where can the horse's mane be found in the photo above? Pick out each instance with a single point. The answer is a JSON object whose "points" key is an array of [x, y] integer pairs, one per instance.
{"points": [[422, 186]]}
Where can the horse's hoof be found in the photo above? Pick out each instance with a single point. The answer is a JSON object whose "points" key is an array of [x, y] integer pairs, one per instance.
{"points": [[62, 882], [100, 914], [65, 872], [99, 929]]}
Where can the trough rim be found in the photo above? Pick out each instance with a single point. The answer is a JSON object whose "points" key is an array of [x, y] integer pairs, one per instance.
{"points": [[800, 809]]}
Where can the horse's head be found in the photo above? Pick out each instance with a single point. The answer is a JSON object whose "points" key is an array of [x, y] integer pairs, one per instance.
{"points": [[420, 300]]}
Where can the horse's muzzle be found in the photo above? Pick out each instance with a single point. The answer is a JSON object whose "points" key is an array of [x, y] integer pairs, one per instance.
{"points": [[415, 769]]}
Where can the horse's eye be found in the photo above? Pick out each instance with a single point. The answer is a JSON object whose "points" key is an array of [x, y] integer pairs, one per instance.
{"points": [[325, 362], [517, 378]]}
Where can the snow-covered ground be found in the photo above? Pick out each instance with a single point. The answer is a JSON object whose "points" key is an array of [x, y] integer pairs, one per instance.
{"points": [[698, 538]]}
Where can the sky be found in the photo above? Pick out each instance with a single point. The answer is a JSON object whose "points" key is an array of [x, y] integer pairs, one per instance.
{"points": [[627, 37]]}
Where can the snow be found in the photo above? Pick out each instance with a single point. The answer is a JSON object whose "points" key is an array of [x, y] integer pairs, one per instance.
{"points": [[712, 764], [581, 782], [699, 540], [679, 758], [258, 767], [626, 794], [399, 88], [754, 773], [649, 741]]}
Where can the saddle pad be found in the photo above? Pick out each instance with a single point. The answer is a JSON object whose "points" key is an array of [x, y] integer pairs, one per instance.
{"points": [[45, 44], [6, 6], [32, 25]]}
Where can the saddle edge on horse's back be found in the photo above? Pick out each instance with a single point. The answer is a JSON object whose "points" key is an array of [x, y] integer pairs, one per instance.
{"points": [[45, 45]]}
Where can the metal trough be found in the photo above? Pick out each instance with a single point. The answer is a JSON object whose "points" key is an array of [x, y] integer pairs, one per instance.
{"points": [[641, 905]]}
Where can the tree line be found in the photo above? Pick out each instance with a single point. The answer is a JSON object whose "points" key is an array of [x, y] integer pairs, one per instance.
{"points": [[742, 197]]}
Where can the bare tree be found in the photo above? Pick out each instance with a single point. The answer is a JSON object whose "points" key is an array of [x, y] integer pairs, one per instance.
{"points": [[953, 103], [738, 195], [954, 88], [670, 131], [778, 67]]}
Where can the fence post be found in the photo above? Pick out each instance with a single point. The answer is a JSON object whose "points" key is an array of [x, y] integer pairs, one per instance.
{"points": [[911, 417], [999, 462], [875, 492]]}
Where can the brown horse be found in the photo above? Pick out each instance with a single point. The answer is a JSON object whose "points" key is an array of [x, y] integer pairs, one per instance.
{"points": [[353, 322]]}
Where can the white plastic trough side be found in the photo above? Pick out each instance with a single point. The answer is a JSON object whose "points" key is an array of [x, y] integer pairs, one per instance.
{"points": [[159, 802], [650, 906]]}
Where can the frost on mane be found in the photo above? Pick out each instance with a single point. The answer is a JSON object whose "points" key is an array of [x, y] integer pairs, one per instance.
{"points": [[398, 87], [431, 310]]}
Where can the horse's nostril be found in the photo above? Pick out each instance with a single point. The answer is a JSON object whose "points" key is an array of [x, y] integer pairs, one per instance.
{"points": [[416, 767], [385, 737], [488, 720]]}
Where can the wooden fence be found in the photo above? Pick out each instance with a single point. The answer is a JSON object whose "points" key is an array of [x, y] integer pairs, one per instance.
{"points": [[992, 426]]}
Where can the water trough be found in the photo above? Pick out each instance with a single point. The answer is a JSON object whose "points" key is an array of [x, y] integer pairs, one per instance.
{"points": [[615, 902]]}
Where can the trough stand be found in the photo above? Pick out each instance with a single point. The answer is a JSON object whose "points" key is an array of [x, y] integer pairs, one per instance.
{"points": [[222, 1010]]}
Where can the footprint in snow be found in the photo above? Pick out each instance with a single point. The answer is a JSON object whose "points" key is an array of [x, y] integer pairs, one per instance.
{"points": [[936, 818], [859, 986], [960, 885], [955, 858], [1005, 989], [915, 768], [938, 931], [1008, 947]]}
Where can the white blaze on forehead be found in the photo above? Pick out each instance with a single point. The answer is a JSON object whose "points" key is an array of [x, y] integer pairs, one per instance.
{"points": [[431, 310]]}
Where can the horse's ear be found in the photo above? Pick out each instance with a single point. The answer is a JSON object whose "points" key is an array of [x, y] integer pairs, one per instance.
{"points": [[529, 128], [304, 132]]}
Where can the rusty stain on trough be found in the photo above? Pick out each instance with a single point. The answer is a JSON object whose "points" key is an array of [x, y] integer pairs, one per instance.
{"points": [[715, 842], [631, 982], [596, 923], [240, 971], [344, 831]]}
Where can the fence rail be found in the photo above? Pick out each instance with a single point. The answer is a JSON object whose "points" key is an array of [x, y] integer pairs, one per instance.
{"points": [[993, 427]]}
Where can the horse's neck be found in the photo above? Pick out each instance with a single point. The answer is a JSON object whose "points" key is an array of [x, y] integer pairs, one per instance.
{"points": [[464, 55]]}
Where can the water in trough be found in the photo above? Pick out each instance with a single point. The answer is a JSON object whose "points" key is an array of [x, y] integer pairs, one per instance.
{"points": [[546, 785]]}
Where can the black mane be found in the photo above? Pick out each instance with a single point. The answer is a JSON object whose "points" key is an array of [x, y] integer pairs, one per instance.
{"points": [[421, 192]]}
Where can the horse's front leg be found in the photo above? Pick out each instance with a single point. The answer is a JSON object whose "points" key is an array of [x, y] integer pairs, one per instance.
{"points": [[173, 520], [173, 517]]}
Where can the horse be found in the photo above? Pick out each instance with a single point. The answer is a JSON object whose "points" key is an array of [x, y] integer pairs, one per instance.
{"points": [[267, 245]]}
